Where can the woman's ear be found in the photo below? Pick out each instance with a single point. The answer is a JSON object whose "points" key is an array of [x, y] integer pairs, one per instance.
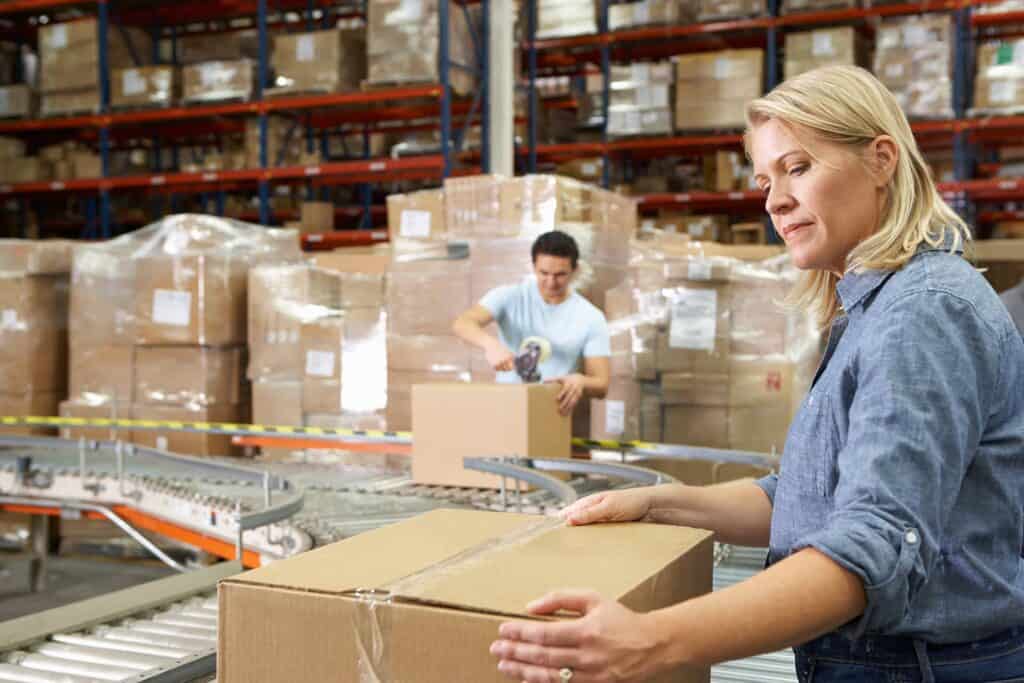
{"points": [[884, 154]]}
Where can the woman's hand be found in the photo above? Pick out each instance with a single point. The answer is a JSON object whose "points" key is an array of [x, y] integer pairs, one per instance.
{"points": [[628, 505], [609, 643]]}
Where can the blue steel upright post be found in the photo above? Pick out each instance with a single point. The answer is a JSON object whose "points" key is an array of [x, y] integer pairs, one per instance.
{"points": [[484, 68], [261, 79], [103, 20], [963, 151], [531, 59], [772, 47], [606, 92], [443, 68]]}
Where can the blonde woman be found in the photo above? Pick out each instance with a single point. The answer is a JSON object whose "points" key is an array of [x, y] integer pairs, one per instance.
{"points": [[896, 525]]}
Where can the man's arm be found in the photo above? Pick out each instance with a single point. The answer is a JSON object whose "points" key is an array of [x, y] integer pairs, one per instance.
{"points": [[597, 374], [470, 327]]}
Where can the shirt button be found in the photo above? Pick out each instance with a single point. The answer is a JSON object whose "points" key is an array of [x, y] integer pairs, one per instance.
{"points": [[911, 537]]}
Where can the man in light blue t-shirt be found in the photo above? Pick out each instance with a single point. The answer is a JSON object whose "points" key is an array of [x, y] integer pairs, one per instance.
{"points": [[547, 307]]}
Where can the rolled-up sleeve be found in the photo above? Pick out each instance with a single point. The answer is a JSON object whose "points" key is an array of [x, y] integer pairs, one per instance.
{"points": [[768, 484], [919, 408]]}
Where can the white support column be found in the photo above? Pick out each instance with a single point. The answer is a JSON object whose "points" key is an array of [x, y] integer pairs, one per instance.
{"points": [[502, 86]]}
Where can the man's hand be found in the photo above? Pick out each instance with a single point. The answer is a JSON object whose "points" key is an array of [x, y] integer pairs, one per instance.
{"points": [[572, 391], [500, 358], [608, 643]]}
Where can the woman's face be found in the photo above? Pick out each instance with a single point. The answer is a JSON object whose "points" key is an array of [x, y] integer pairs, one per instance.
{"points": [[821, 206]]}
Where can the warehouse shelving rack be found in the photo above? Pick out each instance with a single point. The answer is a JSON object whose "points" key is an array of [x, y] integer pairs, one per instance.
{"points": [[967, 137], [429, 106]]}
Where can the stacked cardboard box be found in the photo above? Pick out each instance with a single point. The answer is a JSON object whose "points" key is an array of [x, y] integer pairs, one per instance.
{"points": [[651, 13], [68, 161], [999, 85], [712, 88], [216, 81], [285, 144], [217, 47], [33, 328], [145, 86], [322, 61], [17, 101], [808, 50], [560, 18], [702, 354], [713, 10], [402, 43], [69, 63], [797, 6], [160, 325], [913, 58], [317, 342], [430, 283], [640, 101]]}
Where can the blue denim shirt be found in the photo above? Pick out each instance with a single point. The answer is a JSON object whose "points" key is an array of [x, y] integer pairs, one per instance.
{"points": [[905, 463]]}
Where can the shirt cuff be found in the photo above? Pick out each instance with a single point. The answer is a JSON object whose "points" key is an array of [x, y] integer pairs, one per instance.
{"points": [[884, 561], [768, 485]]}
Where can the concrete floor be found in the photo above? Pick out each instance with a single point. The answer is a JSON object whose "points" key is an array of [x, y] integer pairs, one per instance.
{"points": [[69, 579]]}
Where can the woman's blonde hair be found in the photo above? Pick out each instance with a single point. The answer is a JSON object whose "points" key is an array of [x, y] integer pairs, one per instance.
{"points": [[846, 105]]}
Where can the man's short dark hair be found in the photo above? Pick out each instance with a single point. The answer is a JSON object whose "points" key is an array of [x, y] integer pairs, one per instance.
{"points": [[556, 243]]}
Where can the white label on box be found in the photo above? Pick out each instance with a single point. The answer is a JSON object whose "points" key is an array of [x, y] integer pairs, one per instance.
{"points": [[9, 319], [723, 67], [694, 317], [914, 35], [161, 443], [171, 307], [615, 417], [641, 72], [659, 96], [641, 13], [699, 270], [59, 37], [304, 49], [211, 75], [415, 224], [132, 82], [320, 363], [822, 45], [589, 169], [1001, 91]]}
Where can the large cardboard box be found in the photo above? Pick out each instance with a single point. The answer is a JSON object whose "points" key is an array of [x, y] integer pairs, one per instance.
{"points": [[426, 353], [400, 384], [806, 50], [417, 215], [144, 86], [322, 61], [276, 297], [192, 299], [317, 217], [189, 375], [345, 362], [17, 101], [437, 627], [187, 443], [277, 402], [30, 403], [104, 372], [107, 410], [456, 421], [370, 260], [212, 81], [33, 333], [425, 297], [712, 88], [69, 53]]}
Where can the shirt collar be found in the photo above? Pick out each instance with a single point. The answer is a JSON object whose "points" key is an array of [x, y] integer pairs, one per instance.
{"points": [[853, 288]]}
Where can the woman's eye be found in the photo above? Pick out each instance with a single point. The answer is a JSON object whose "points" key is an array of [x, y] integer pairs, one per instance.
{"points": [[798, 169]]}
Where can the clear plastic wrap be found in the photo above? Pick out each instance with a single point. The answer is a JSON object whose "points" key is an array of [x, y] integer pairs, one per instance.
{"points": [[144, 86], [214, 81], [702, 352], [807, 50], [417, 215], [712, 88], [914, 59], [999, 84], [94, 409], [321, 61], [402, 42], [189, 376]]}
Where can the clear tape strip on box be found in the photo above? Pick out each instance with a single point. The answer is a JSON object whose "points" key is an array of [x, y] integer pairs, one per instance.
{"points": [[371, 618]]}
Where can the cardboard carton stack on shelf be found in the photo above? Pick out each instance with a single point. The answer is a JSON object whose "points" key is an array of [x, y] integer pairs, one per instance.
{"points": [[452, 247], [562, 18], [69, 63], [999, 84], [286, 144], [218, 81], [797, 6], [33, 329], [402, 43], [914, 59], [701, 352], [806, 50], [317, 341], [716, 10], [651, 13], [318, 62], [17, 101], [640, 99], [145, 87], [712, 88], [160, 326]]}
